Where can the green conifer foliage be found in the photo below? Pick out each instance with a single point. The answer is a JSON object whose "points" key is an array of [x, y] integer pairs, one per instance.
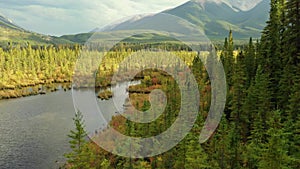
{"points": [[80, 155]]}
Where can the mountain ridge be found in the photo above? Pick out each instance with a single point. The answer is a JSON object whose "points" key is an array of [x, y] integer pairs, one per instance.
{"points": [[7, 23], [11, 33], [213, 18], [238, 5], [215, 24]]}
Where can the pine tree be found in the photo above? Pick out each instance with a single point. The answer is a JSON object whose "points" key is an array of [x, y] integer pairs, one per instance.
{"points": [[270, 57], [250, 62], [227, 57], [289, 84], [274, 152], [291, 46], [220, 145], [257, 104], [78, 158], [195, 156], [292, 125], [238, 93], [180, 154]]}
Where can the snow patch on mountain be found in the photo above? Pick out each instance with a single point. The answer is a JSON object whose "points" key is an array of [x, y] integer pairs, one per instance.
{"points": [[130, 19], [236, 5]]}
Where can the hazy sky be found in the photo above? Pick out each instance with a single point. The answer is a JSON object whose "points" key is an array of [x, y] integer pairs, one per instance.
{"points": [[58, 17]]}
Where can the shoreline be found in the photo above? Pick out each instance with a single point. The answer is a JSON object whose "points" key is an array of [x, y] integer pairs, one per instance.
{"points": [[46, 88]]}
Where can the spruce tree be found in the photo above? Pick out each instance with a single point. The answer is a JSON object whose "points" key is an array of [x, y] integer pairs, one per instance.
{"points": [[270, 58], [78, 158], [220, 145], [292, 124], [195, 156], [227, 59], [238, 93], [291, 44], [274, 152], [250, 62], [257, 104]]}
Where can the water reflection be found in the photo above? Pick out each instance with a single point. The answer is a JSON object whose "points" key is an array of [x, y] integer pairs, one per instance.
{"points": [[97, 113], [33, 130]]}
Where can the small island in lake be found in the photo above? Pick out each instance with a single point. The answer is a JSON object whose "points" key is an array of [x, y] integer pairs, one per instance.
{"points": [[105, 95]]}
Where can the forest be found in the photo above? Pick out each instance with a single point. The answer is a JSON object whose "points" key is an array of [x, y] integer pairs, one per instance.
{"points": [[260, 127]]}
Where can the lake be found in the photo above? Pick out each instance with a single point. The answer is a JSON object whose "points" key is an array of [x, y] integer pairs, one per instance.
{"points": [[33, 130]]}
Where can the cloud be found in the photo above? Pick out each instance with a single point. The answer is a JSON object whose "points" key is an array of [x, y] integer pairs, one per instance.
{"points": [[244, 4], [68, 16], [240, 4]]}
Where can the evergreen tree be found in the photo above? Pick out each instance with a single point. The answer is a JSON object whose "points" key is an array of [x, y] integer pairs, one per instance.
{"points": [[274, 153], [195, 156], [250, 62], [289, 84], [291, 46], [238, 93], [257, 104], [292, 125], [270, 57], [227, 57], [78, 158], [220, 145]]}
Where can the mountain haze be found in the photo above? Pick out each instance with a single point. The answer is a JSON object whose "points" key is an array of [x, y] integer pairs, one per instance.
{"points": [[214, 18], [12, 33], [8, 24]]}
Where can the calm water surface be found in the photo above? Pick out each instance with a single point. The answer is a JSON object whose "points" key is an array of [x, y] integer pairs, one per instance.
{"points": [[33, 130]]}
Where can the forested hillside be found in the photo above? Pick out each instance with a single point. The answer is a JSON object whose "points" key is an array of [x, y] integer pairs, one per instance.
{"points": [[10, 33]]}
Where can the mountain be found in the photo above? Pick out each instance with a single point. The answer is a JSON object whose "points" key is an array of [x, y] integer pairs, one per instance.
{"points": [[244, 5], [217, 18], [10, 32], [8, 24], [213, 17]]}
